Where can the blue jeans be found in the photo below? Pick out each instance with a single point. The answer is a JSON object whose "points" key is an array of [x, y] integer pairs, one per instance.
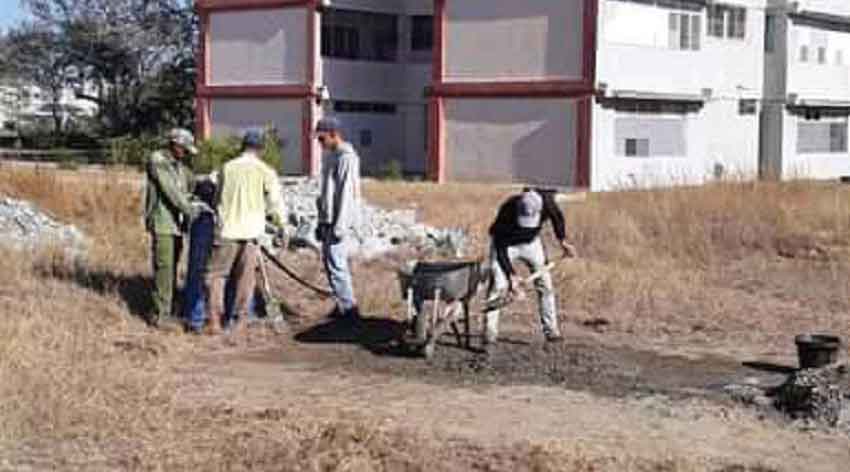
{"points": [[335, 259], [201, 235]]}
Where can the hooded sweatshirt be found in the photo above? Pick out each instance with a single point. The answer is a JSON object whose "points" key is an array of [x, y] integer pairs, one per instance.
{"points": [[339, 203]]}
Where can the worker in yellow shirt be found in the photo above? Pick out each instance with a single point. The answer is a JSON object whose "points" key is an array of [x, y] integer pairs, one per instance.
{"points": [[249, 193]]}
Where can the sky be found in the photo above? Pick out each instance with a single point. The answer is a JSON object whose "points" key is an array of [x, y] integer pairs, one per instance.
{"points": [[10, 13]]}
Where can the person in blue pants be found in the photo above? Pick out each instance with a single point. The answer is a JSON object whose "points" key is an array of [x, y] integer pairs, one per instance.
{"points": [[201, 234]]}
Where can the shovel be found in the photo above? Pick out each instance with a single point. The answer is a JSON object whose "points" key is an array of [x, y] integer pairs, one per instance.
{"points": [[502, 301]]}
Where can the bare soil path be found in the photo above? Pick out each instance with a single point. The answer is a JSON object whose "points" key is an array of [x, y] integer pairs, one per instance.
{"points": [[609, 400]]}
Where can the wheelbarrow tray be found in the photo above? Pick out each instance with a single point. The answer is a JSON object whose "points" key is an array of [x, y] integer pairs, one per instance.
{"points": [[450, 281]]}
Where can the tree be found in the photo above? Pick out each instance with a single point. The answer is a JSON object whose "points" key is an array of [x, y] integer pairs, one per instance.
{"points": [[133, 58], [36, 55]]}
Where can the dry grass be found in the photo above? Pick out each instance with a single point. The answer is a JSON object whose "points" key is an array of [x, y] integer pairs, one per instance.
{"points": [[86, 386]]}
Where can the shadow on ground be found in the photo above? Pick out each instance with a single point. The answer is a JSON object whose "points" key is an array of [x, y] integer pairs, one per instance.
{"points": [[135, 290], [380, 336]]}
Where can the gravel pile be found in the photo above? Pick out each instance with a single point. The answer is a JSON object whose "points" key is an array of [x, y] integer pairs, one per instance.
{"points": [[23, 226], [814, 395], [381, 231], [809, 398]]}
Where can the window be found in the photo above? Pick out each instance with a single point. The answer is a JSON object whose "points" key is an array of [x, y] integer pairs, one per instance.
{"points": [[648, 136], [838, 137], [637, 147], [736, 23], [770, 33], [685, 30], [342, 106], [821, 55], [716, 20], [422, 33], [359, 35], [804, 53], [725, 21], [366, 138], [426, 133], [747, 107], [821, 137]]}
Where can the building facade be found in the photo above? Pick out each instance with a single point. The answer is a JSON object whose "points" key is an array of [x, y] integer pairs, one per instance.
{"points": [[807, 89], [679, 89], [599, 94]]}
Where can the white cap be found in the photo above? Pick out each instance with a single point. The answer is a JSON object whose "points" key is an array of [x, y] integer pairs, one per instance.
{"points": [[529, 209]]}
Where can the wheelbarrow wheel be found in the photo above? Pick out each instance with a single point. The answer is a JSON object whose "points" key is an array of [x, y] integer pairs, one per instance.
{"points": [[428, 350]]}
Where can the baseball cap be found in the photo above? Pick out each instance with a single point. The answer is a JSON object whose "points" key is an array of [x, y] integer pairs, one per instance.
{"points": [[529, 209], [184, 139], [252, 138], [328, 124]]}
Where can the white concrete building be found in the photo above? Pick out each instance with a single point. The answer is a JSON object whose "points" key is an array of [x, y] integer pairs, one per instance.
{"points": [[807, 89], [22, 105], [679, 85]]}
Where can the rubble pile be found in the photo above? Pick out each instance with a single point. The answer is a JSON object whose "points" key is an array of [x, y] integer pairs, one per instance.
{"points": [[24, 227], [810, 398], [813, 395], [381, 230]]}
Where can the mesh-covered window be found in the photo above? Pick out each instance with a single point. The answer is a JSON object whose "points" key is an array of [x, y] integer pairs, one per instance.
{"points": [[821, 137], [258, 47]]}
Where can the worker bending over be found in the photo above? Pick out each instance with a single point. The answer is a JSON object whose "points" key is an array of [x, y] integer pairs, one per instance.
{"points": [[515, 235]]}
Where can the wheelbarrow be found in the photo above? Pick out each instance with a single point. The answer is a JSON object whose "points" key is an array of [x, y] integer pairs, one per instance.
{"points": [[450, 287]]}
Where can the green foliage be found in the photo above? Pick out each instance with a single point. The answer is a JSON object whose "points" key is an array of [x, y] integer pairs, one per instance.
{"points": [[272, 154], [214, 152], [129, 151], [67, 160], [392, 170]]}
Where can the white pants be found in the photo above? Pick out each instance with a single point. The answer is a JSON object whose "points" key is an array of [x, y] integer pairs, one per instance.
{"points": [[534, 257]]}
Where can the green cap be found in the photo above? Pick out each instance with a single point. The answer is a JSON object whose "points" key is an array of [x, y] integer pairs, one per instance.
{"points": [[184, 139]]}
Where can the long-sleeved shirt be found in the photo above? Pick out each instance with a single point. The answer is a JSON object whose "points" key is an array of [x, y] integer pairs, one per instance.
{"points": [[339, 203], [506, 231], [248, 192], [167, 194]]}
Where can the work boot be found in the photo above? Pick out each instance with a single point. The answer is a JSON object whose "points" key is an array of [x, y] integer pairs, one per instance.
{"points": [[240, 327], [214, 326], [153, 320], [169, 324]]}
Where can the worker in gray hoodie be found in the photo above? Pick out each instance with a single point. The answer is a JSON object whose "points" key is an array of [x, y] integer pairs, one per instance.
{"points": [[339, 212]]}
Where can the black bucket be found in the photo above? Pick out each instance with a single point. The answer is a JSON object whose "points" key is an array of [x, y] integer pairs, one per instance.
{"points": [[817, 350]]}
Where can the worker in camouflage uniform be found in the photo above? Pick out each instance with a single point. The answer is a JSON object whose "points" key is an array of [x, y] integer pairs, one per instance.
{"points": [[168, 211]]}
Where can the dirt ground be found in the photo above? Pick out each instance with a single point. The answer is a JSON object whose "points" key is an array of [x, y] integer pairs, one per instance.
{"points": [[584, 392]]}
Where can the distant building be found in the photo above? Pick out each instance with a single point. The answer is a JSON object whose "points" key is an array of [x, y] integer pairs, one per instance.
{"points": [[600, 94], [807, 89], [23, 105]]}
